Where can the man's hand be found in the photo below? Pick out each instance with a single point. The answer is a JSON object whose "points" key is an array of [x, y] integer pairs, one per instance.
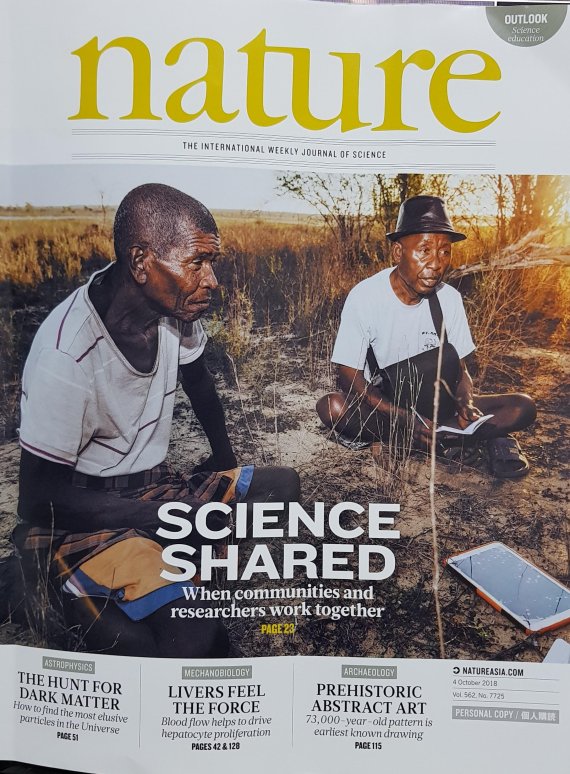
{"points": [[216, 463], [466, 414]]}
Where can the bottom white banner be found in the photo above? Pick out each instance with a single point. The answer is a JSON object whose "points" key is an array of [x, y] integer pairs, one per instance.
{"points": [[107, 714]]}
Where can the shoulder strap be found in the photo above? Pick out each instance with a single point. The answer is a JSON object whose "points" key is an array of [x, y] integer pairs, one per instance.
{"points": [[437, 316], [372, 363]]}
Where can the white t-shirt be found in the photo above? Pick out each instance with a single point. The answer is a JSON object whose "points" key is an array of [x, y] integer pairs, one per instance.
{"points": [[373, 315], [84, 405]]}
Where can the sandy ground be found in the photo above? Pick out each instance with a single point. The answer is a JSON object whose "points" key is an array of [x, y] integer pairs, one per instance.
{"points": [[270, 415]]}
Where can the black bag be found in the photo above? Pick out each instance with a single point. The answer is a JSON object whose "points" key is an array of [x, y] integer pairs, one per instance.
{"points": [[410, 384]]}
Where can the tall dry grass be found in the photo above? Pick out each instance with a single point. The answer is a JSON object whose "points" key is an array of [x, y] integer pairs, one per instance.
{"points": [[35, 251], [495, 310], [505, 309], [283, 279]]}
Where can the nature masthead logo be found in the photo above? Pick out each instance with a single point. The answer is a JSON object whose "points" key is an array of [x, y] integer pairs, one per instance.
{"points": [[392, 95]]}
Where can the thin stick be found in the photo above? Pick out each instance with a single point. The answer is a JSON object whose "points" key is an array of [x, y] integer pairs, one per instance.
{"points": [[432, 497], [275, 423]]}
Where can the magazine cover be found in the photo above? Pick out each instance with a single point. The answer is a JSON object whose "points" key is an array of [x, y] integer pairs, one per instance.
{"points": [[284, 302]]}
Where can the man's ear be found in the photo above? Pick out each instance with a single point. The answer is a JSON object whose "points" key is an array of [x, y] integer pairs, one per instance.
{"points": [[137, 263], [396, 253]]}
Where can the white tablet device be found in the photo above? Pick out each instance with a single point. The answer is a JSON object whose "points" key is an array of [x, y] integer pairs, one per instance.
{"points": [[514, 586]]}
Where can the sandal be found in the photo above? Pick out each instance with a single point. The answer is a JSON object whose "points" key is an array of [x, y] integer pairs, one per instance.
{"points": [[349, 443], [460, 456], [506, 458]]}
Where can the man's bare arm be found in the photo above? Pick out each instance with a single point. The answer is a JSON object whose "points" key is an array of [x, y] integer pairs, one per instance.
{"points": [[47, 494], [467, 412], [352, 381], [48, 498], [198, 384]]}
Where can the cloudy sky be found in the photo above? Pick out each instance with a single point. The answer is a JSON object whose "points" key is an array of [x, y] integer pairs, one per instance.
{"points": [[78, 184]]}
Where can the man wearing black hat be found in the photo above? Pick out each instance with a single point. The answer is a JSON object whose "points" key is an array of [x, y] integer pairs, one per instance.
{"points": [[392, 329]]}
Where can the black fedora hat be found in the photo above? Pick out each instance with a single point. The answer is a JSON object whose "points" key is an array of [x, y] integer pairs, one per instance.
{"points": [[424, 215]]}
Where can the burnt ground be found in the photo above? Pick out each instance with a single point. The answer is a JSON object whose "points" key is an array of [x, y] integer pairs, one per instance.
{"points": [[270, 414]]}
